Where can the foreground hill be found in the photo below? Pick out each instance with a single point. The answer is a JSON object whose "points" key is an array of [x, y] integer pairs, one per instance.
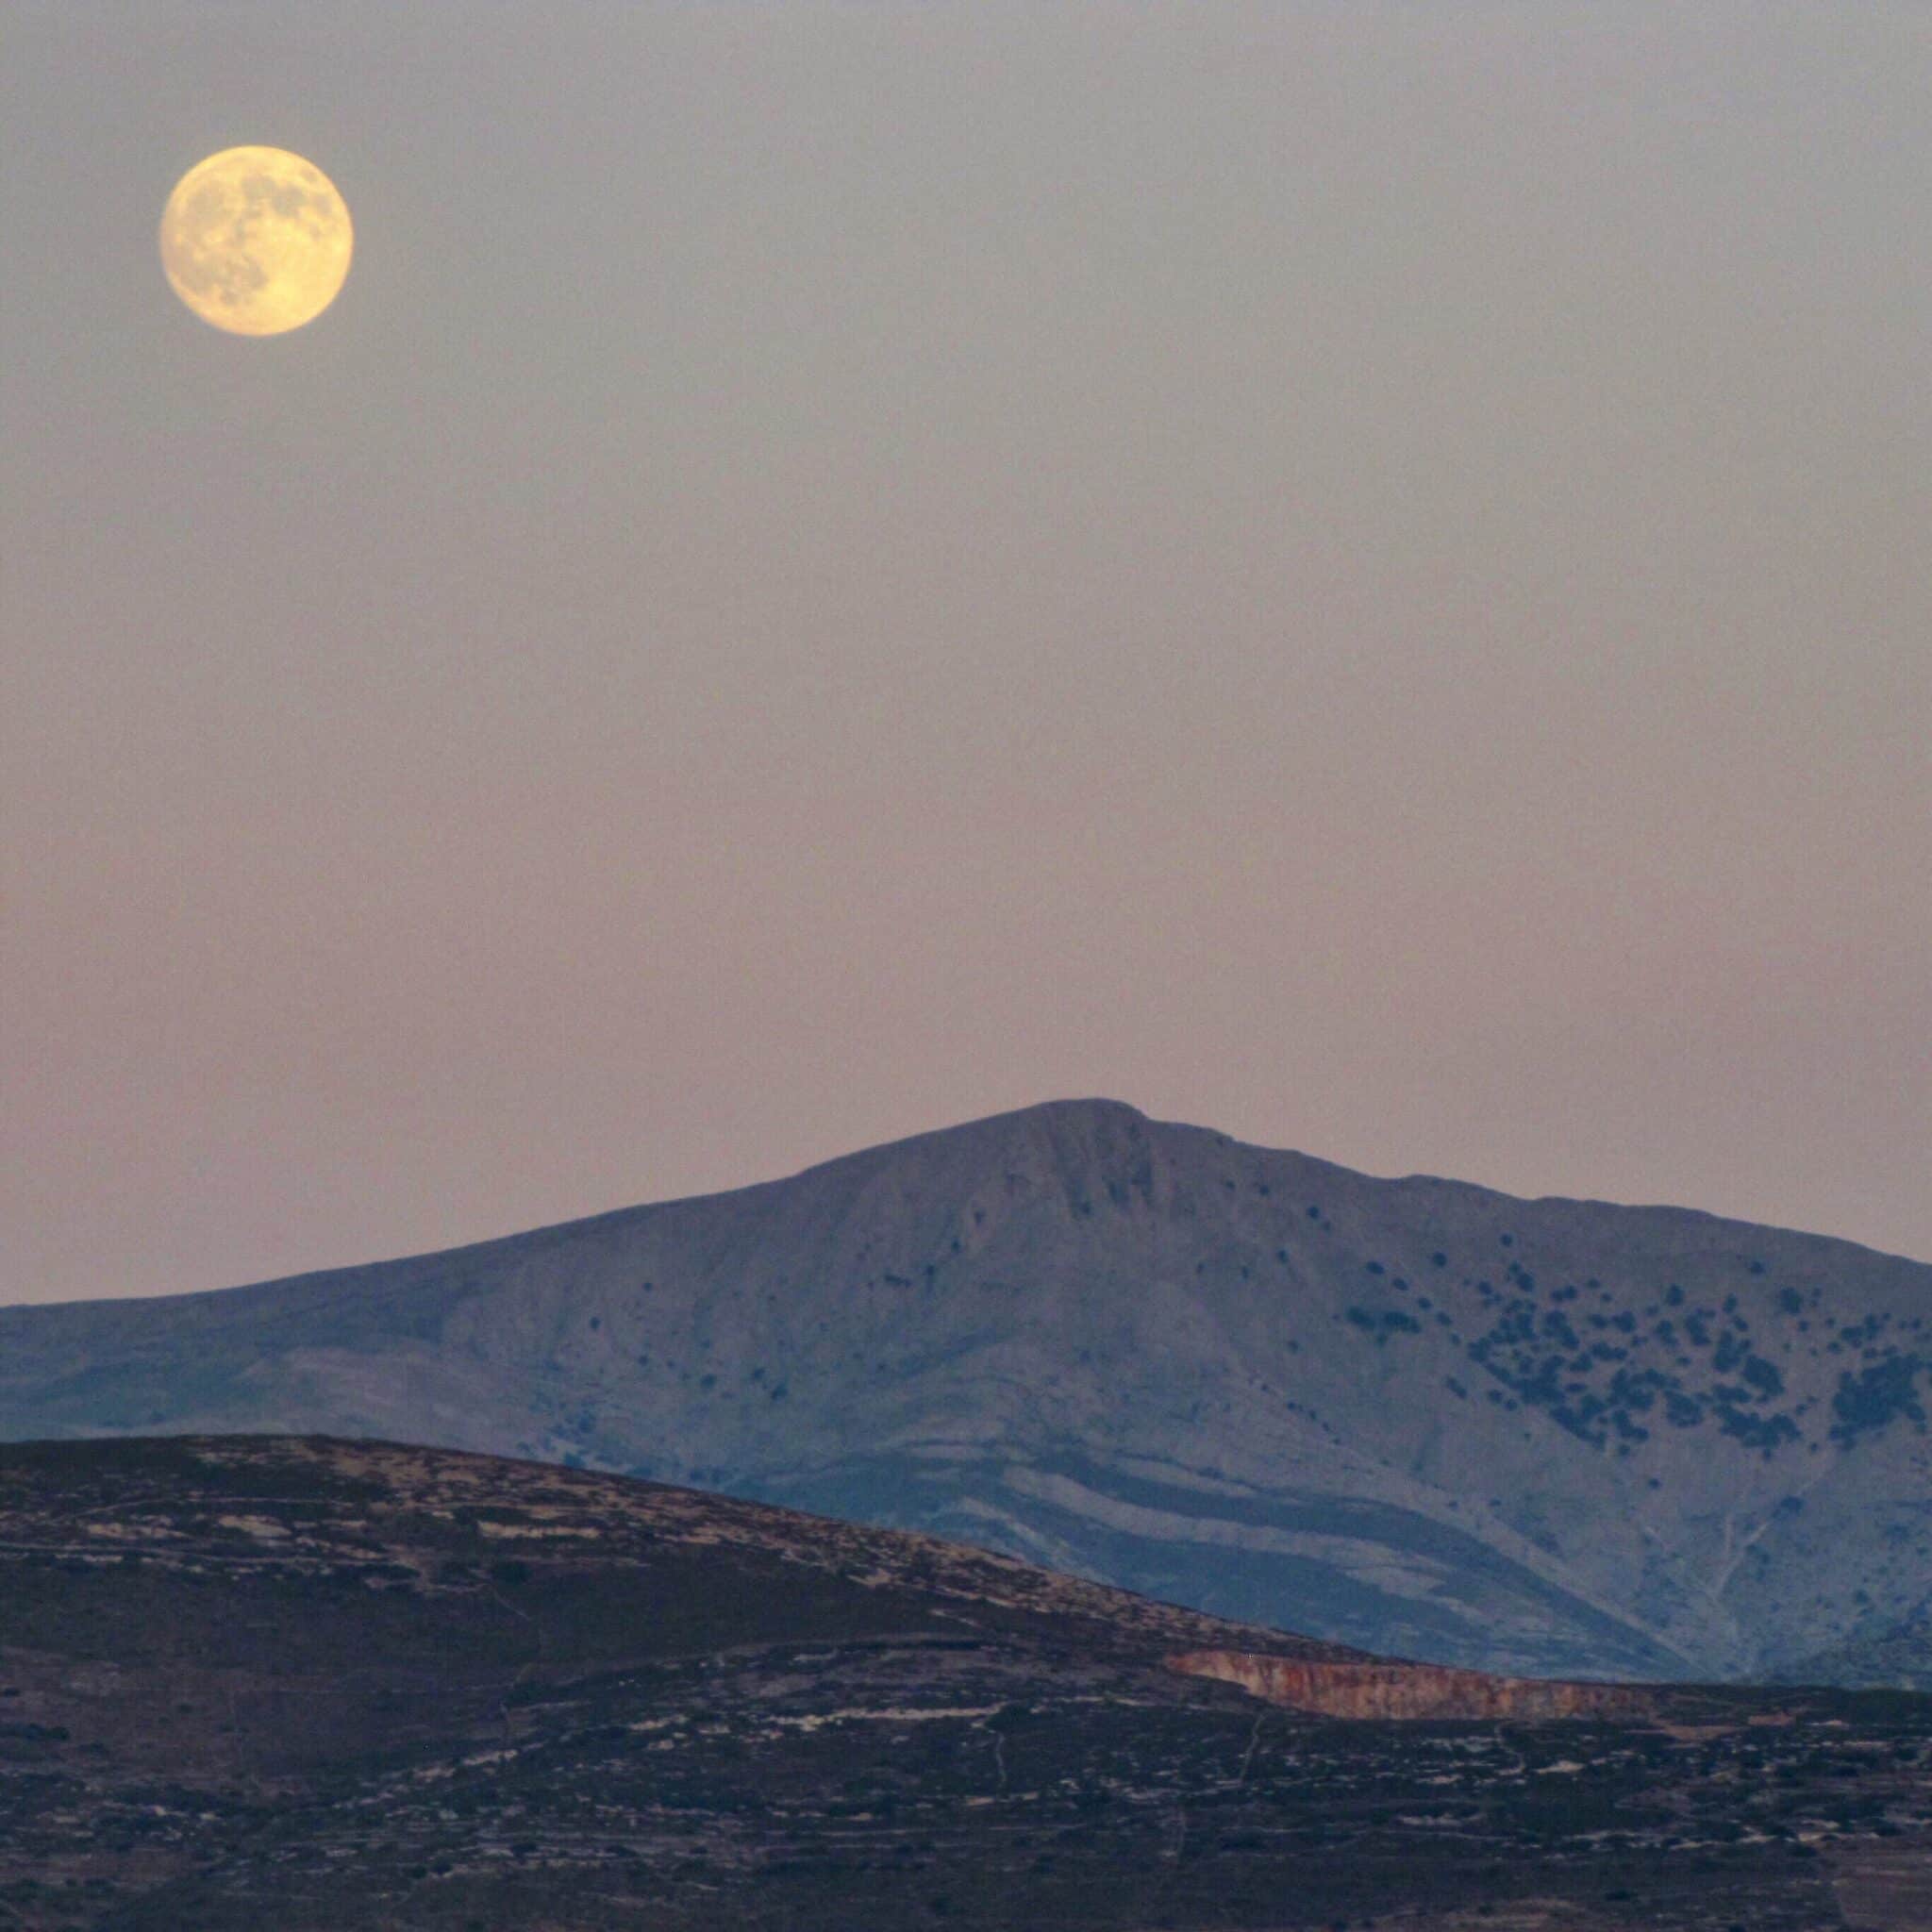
{"points": [[338, 1686], [1550, 1437]]}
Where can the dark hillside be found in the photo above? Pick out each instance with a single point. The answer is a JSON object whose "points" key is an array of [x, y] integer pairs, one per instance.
{"points": [[351, 1687]]}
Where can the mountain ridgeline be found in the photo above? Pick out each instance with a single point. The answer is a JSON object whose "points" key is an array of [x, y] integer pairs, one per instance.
{"points": [[1420, 1417]]}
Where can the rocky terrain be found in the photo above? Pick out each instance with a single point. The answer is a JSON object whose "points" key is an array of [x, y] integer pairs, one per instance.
{"points": [[1380, 1689], [1547, 1438], [347, 1687]]}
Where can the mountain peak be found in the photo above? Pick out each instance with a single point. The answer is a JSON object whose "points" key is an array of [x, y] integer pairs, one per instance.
{"points": [[1097, 1126], [1070, 1148]]}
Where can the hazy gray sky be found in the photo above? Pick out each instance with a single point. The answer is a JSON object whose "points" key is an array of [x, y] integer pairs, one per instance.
{"points": [[1357, 574]]}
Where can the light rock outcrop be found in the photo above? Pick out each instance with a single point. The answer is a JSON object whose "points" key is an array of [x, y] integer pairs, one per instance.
{"points": [[1407, 1691]]}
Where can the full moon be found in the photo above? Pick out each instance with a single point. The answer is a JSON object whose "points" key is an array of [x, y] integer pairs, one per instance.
{"points": [[256, 241]]}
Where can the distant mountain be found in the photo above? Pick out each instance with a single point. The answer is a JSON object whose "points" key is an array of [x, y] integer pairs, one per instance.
{"points": [[1420, 1417], [346, 1687]]}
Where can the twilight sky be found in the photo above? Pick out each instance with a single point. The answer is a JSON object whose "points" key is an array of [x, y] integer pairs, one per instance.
{"points": [[1357, 574]]}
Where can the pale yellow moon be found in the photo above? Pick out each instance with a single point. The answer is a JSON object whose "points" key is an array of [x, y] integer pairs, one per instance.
{"points": [[256, 241]]}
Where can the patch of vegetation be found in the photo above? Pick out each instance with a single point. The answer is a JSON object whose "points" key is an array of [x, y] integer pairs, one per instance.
{"points": [[1876, 1397], [1383, 1322]]}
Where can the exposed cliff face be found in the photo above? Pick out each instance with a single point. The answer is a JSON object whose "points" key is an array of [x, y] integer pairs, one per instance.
{"points": [[1407, 1691], [1548, 1438]]}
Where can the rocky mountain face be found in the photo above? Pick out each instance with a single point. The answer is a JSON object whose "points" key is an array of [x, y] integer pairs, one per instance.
{"points": [[1423, 1418], [346, 1687]]}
